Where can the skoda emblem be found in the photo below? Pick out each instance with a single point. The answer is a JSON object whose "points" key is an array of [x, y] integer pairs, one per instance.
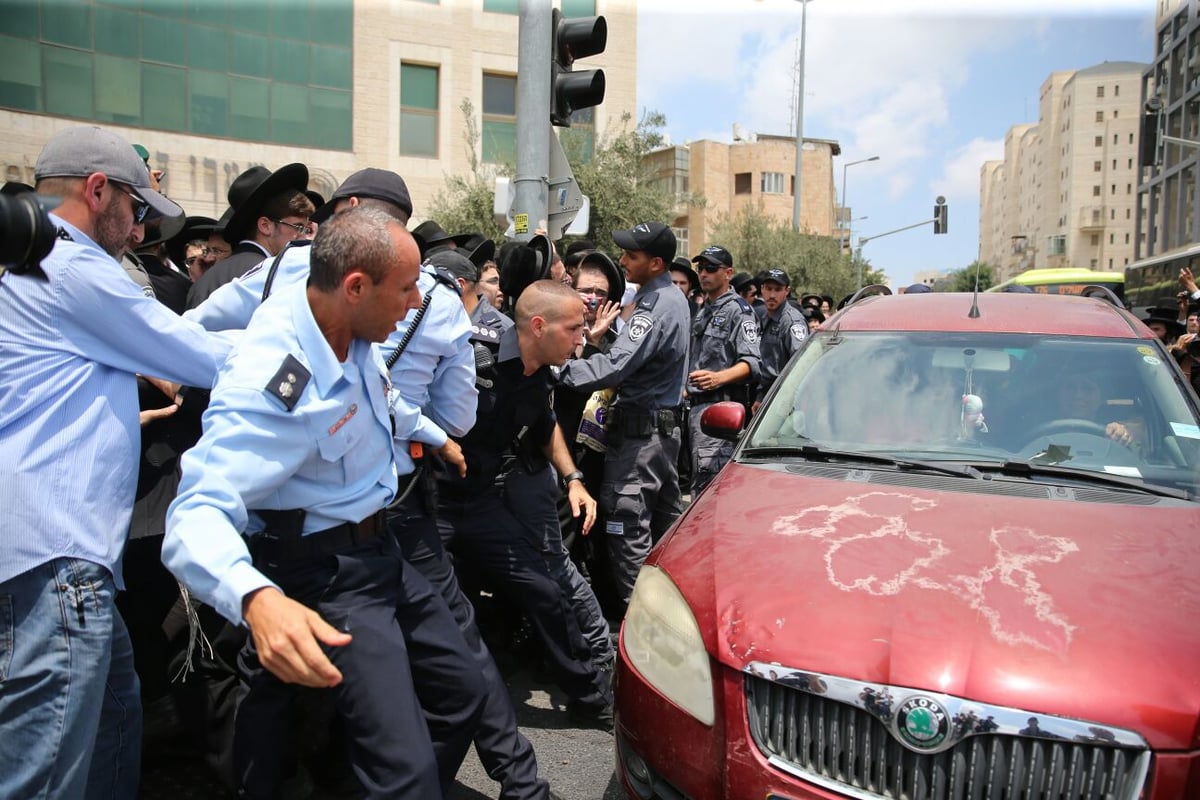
{"points": [[922, 723]]}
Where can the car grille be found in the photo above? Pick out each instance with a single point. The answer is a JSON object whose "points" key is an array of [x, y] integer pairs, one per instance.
{"points": [[847, 749]]}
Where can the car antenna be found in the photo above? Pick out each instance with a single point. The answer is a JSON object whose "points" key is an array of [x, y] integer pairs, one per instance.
{"points": [[974, 312]]}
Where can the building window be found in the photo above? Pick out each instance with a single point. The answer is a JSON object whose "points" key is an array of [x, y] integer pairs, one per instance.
{"points": [[741, 183], [772, 183], [1113, 189], [681, 240], [1115, 140], [1099, 116], [1099, 91], [1095, 240], [1112, 238], [1097, 166], [1116, 90], [1116, 113], [1127, 238], [418, 110], [1056, 245], [1099, 141], [265, 73], [1095, 191], [580, 8], [499, 119], [1129, 188]]}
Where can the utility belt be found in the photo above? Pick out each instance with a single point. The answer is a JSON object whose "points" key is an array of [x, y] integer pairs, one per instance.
{"points": [[634, 423], [737, 392], [284, 542]]}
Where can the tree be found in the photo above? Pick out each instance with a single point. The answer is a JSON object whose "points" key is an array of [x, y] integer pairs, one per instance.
{"points": [[815, 264], [622, 190], [464, 205], [963, 280]]}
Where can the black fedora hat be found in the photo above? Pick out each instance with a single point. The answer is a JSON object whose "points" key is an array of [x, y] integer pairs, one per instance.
{"points": [[430, 235], [520, 264], [252, 189], [1168, 317], [615, 275], [478, 249], [193, 228], [681, 264]]}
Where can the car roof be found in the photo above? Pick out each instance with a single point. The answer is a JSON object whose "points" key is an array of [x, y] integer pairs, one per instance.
{"points": [[1053, 315]]}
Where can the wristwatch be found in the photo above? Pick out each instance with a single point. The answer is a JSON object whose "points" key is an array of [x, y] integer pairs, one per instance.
{"points": [[577, 475]]}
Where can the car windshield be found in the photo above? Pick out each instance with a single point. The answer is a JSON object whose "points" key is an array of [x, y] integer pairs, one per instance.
{"points": [[1092, 405]]}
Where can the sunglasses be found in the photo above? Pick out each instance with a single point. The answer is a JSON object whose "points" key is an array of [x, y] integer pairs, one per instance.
{"points": [[706, 267], [140, 207]]}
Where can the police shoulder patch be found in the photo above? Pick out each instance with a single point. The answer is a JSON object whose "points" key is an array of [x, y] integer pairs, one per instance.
{"points": [[639, 326], [446, 279], [799, 331], [742, 304], [288, 383], [484, 333], [750, 330]]}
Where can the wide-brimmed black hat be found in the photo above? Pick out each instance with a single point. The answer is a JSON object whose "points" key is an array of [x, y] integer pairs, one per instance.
{"points": [[1168, 317], [681, 264], [251, 190], [193, 228], [520, 264], [430, 235], [615, 275], [479, 249]]}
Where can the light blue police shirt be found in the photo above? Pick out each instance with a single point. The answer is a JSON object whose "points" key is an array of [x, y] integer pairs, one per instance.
{"points": [[69, 434], [331, 455]]}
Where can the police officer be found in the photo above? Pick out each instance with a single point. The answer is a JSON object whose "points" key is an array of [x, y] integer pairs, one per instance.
{"points": [[647, 363], [433, 395], [724, 358], [515, 420], [784, 328], [298, 452]]}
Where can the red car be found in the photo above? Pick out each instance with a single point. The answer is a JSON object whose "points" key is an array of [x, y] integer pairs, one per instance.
{"points": [[956, 555]]}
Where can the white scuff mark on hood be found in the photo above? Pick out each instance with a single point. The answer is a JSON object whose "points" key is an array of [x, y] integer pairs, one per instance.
{"points": [[870, 546]]}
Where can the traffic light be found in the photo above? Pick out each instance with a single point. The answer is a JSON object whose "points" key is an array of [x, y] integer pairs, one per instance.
{"points": [[570, 90], [941, 216], [1148, 141]]}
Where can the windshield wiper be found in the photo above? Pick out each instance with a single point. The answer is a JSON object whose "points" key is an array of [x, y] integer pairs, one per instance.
{"points": [[1028, 469], [814, 452]]}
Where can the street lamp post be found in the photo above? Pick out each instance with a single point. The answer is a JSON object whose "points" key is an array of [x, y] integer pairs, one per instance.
{"points": [[845, 210], [799, 180]]}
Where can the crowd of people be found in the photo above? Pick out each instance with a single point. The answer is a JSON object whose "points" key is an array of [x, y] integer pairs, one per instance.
{"points": [[296, 486]]}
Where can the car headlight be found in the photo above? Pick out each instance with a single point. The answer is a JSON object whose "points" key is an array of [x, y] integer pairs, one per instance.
{"points": [[663, 643]]}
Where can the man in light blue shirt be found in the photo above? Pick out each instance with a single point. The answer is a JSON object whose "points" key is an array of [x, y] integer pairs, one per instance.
{"points": [[298, 454], [70, 345]]}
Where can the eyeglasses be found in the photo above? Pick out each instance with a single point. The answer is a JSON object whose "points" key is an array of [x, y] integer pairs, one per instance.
{"points": [[706, 267], [140, 207], [303, 230]]}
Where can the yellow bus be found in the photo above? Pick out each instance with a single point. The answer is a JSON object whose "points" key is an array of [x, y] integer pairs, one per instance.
{"points": [[1065, 280]]}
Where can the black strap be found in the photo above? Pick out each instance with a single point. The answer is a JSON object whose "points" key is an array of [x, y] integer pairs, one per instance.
{"points": [[275, 265], [441, 279]]}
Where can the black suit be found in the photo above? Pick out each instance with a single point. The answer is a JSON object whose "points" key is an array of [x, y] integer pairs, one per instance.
{"points": [[245, 255]]}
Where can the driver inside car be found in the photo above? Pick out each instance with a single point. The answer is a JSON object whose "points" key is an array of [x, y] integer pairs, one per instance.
{"points": [[1079, 397]]}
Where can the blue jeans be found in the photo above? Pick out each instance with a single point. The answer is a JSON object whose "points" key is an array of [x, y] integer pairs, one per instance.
{"points": [[69, 704]]}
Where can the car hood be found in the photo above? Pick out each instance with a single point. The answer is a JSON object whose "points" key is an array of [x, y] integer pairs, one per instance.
{"points": [[1079, 609]]}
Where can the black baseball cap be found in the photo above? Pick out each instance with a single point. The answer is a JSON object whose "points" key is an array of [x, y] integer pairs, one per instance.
{"points": [[716, 255], [455, 263], [777, 276], [652, 238], [380, 184]]}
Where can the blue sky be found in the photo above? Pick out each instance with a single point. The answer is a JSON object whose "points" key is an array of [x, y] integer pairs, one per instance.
{"points": [[931, 92]]}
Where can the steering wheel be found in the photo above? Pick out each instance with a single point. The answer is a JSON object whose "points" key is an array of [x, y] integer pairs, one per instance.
{"points": [[1072, 425]]}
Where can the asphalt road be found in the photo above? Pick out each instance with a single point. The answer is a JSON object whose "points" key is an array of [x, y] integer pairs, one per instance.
{"points": [[578, 762]]}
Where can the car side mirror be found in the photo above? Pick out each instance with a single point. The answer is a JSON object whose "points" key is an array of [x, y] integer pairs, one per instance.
{"points": [[723, 420]]}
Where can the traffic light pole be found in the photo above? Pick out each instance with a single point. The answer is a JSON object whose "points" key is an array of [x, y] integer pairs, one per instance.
{"points": [[530, 186], [864, 239]]}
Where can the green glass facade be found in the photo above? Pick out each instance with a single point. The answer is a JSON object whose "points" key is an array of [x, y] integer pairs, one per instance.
{"points": [[278, 72]]}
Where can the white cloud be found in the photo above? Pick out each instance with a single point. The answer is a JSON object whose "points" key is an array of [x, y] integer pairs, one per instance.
{"points": [[960, 178]]}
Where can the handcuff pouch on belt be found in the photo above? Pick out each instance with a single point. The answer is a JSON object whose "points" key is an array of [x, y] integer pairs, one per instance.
{"points": [[627, 423]]}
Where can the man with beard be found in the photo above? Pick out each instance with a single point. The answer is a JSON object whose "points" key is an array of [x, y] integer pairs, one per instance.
{"points": [[784, 329], [73, 341]]}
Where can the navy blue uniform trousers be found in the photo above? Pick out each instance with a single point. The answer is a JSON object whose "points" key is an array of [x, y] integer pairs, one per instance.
{"points": [[408, 678], [484, 532], [507, 755]]}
